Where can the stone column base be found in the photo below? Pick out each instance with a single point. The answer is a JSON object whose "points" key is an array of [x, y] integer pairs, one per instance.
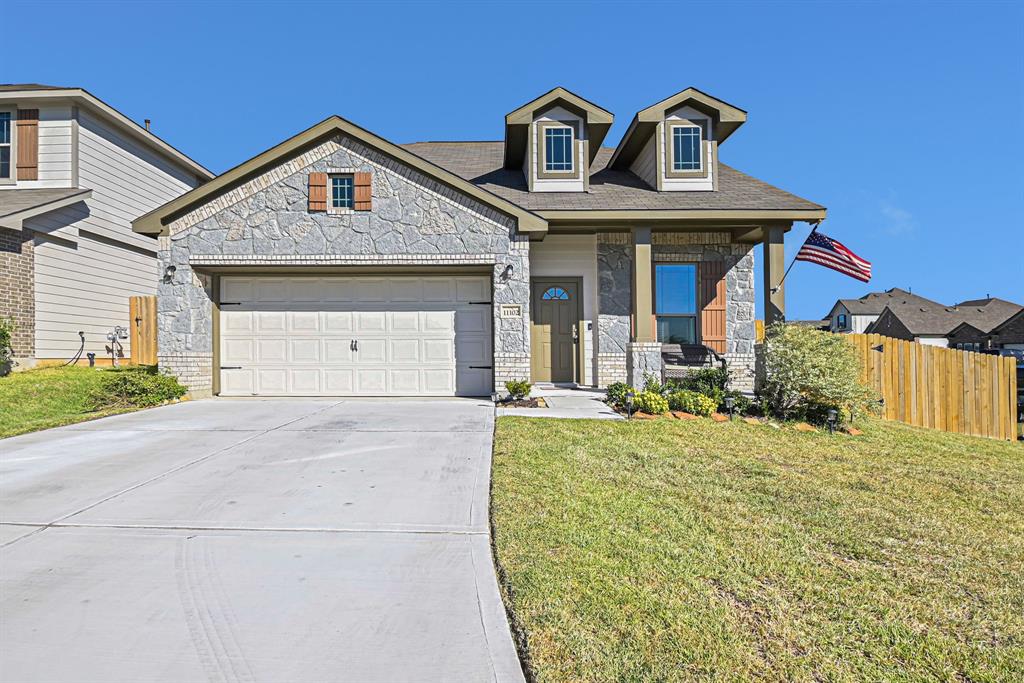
{"points": [[741, 372], [510, 366], [611, 368], [642, 357]]}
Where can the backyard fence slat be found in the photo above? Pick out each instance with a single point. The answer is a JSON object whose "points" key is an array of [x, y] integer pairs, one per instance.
{"points": [[940, 388]]}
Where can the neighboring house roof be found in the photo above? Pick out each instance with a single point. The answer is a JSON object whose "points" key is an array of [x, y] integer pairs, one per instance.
{"points": [[987, 314], [37, 91], [155, 222], [517, 123], [17, 205], [875, 302], [936, 319], [727, 119], [610, 190], [1006, 328]]}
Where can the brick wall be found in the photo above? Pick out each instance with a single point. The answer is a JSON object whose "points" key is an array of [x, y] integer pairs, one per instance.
{"points": [[17, 288]]}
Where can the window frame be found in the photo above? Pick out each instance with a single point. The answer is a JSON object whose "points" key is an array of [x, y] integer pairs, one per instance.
{"points": [[13, 145], [670, 157], [542, 163], [841, 321], [696, 300], [331, 208]]}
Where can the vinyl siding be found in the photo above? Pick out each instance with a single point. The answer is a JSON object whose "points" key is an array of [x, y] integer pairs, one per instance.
{"points": [[54, 147], [645, 166], [85, 286]]}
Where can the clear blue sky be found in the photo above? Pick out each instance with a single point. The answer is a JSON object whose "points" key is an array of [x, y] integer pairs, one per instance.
{"points": [[905, 119]]}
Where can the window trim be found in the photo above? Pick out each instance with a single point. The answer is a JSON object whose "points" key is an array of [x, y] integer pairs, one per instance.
{"points": [[705, 144], [542, 172], [13, 179], [841, 321], [340, 210], [698, 334]]}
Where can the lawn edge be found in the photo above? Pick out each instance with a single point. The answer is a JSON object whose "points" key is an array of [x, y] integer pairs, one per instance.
{"points": [[84, 417], [520, 637]]}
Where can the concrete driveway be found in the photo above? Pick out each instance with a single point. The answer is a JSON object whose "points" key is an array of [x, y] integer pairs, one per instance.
{"points": [[254, 540]]}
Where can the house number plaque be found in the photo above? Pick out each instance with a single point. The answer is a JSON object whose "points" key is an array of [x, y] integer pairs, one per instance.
{"points": [[510, 311]]}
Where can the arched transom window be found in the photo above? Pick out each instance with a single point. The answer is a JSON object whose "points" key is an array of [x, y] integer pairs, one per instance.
{"points": [[555, 294]]}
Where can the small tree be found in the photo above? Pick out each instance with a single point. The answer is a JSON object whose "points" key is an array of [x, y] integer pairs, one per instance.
{"points": [[808, 372]]}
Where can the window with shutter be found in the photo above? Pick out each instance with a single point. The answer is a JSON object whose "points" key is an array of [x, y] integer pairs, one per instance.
{"points": [[712, 305], [318, 192], [364, 191]]}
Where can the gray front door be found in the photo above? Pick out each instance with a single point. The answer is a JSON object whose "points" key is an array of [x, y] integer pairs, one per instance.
{"points": [[554, 335]]}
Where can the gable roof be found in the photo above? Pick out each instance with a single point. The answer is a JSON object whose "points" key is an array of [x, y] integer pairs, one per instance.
{"points": [[617, 191], [727, 119], [37, 91], [517, 122], [155, 222], [874, 303], [987, 314], [936, 319]]}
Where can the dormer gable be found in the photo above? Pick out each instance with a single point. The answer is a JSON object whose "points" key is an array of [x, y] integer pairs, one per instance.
{"points": [[673, 145], [554, 140]]}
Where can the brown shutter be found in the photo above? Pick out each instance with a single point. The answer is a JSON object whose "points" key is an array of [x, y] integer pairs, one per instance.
{"points": [[712, 305], [364, 192], [28, 144], [317, 191]]}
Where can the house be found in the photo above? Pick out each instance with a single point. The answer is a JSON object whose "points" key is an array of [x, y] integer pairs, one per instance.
{"points": [[341, 263], [855, 315], [74, 174], [966, 326], [1009, 335], [981, 319]]}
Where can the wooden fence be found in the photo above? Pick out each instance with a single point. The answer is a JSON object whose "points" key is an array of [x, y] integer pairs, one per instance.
{"points": [[941, 388], [142, 329]]}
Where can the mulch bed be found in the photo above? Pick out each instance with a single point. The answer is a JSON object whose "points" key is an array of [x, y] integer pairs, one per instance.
{"points": [[525, 403]]}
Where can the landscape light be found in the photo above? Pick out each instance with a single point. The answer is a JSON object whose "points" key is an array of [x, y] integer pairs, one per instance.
{"points": [[730, 403], [832, 416]]}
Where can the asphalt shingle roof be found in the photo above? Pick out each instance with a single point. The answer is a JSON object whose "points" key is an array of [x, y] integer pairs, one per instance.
{"points": [[984, 314], [482, 164], [875, 302]]}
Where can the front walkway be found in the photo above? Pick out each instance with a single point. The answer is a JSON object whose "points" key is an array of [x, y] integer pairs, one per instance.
{"points": [[574, 403], [254, 540]]}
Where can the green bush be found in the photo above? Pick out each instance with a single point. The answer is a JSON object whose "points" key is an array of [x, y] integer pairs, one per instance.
{"points": [[708, 381], [518, 389], [808, 372], [692, 402], [6, 331], [742, 405], [135, 386], [650, 402], [616, 393], [653, 384]]}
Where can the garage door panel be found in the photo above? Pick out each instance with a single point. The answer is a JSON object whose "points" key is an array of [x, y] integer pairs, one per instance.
{"points": [[417, 335]]}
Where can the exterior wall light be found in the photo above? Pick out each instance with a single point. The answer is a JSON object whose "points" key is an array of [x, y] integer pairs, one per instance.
{"points": [[506, 274], [169, 274]]}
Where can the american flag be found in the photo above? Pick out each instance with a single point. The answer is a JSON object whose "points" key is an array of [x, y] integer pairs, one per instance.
{"points": [[831, 253]]}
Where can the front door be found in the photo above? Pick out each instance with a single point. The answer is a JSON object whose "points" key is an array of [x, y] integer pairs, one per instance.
{"points": [[554, 337]]}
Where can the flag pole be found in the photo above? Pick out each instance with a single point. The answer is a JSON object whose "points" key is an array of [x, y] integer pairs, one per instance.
{"points": [[792, 263]]}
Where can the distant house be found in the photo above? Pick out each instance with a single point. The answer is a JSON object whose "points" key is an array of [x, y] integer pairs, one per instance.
{"points": [[854, 315], [967, 326], [1009, 335], [74, 174]]}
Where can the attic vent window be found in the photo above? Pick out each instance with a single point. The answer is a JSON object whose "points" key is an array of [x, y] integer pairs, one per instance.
{"points": [[686, 148], [558, 149]]}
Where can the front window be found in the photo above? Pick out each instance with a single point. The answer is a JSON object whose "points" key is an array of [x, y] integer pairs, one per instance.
{"points": [[675, 293], [841, 321], [342, 194], [558, 149], [686, 154], [6, 133]]}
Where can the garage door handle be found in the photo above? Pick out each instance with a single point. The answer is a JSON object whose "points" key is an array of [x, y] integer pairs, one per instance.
{"points": [[231, 367], [354, 345]]}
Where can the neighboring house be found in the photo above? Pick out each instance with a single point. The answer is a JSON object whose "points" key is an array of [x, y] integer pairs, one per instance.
{"points": [[854, 315], [74, 174], [341, 263], [1009, 334], [966, 326], [981, 317]]}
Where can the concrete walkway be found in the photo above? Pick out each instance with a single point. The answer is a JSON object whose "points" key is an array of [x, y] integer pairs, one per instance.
{"points": [[254, 540], [581, 403]]}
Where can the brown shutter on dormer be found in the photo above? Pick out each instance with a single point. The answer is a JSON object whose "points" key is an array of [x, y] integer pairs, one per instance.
{"points": [[317, 191], [27, 142], [712, 304], [363, 183]]}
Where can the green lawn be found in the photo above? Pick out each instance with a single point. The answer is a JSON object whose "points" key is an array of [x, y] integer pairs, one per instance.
{"points": [[675, 550], [48, 397]]}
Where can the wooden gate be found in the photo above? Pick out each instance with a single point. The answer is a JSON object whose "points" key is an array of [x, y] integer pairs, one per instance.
{"points": [[142, 329], [941, 388]]}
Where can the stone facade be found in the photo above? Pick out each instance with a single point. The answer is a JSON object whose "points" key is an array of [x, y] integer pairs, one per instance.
{"points": [[615, 305], [265, 222], [642, 358], [17, 289]]}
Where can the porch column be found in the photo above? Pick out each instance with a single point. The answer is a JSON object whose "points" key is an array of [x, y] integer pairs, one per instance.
{"points": [[643, 353], [774, 268]]}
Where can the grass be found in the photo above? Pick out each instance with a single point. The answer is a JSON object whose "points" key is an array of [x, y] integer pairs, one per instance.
{"points": [[672, 550], [48, 397]]}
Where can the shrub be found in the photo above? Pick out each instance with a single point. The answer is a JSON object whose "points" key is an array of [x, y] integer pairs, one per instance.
{"points": [[808, 372], [650, 402], [654, 385], [708, 381], [135, 386], [518, 389], [741, 404], [692, 402], [6, 331], [616, 393]]}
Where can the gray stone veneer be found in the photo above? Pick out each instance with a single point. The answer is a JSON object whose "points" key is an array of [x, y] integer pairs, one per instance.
{"points": [[413, 216], [643, 358], [615, 303]]}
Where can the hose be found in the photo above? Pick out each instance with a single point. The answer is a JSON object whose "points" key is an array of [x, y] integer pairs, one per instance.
{"points": [[78, 355]]}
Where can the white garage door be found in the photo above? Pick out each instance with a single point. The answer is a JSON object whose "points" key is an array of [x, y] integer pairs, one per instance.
{"points": [[355, 336]]}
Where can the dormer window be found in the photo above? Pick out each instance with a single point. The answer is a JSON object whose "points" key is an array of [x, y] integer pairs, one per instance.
{"points": [[558, 149], [686, 152]]}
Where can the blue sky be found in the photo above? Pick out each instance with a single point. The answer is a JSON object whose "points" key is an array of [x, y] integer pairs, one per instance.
{"points": [[905, 119]]}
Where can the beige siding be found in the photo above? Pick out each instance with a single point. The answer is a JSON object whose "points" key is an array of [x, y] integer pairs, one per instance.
{"points": [[126, 180], [85, 286], [646, 164], [54, 147]]}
